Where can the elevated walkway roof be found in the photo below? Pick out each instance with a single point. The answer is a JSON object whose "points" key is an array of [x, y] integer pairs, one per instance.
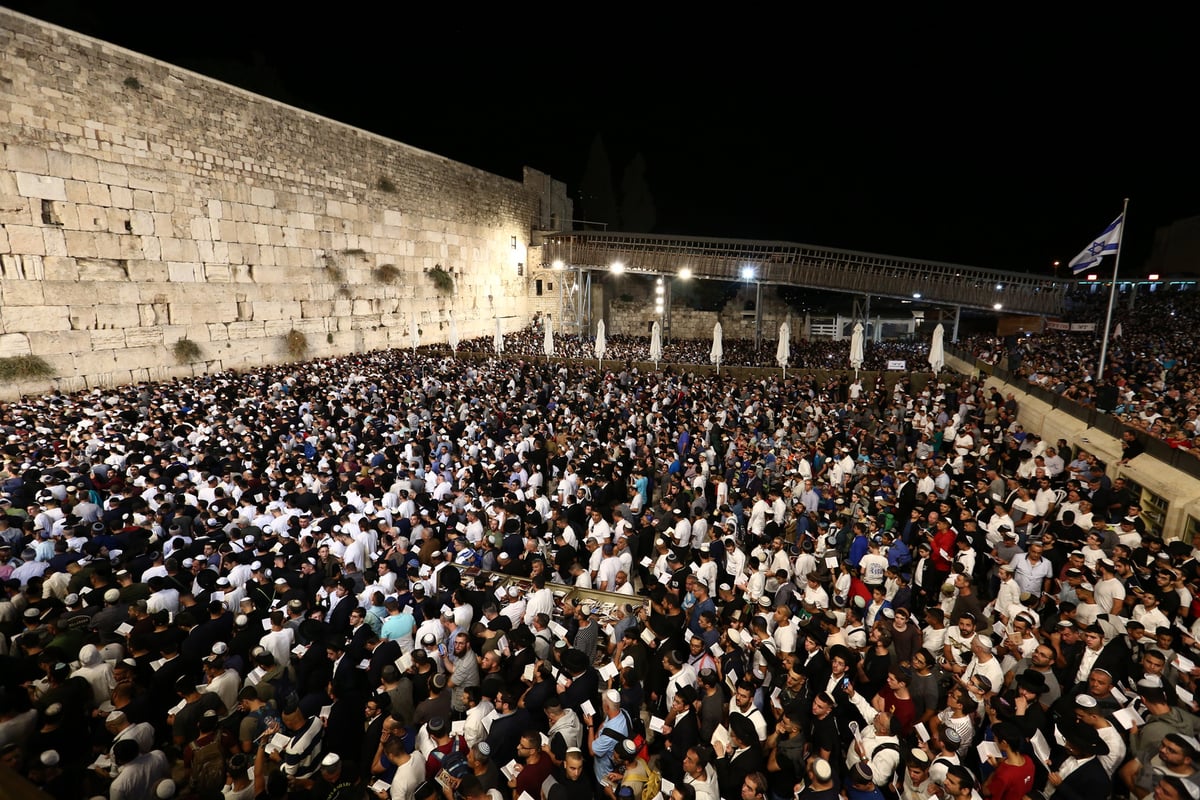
{"points": [[824, 268]]}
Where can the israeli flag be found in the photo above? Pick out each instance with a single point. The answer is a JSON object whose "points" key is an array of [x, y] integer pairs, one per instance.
{"points": [[1107, 242]]}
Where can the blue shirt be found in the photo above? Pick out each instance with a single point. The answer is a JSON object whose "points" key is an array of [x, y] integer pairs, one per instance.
{"points": [[858, 549], [603, 745]]}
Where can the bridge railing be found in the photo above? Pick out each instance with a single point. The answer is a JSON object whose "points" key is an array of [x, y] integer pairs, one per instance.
{"points": [[813, 267]]}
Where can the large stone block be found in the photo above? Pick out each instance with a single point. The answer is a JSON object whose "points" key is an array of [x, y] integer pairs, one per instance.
{"points": [[26, 240], [108, 316], [15, 210], [217, 273], [55, 242], [60, 341], [262, 197], [266, 310], [179, 272], [14, 344], [61, 269], [143, 337], [24, 158], [120, 197], [98, 194], [43, 187], [141, 271], [21, 293], [246, 330], [101, 269], [21, 319]]}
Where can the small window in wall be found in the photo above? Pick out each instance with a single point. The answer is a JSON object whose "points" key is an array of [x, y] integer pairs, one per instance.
{"points": [[1154, 507], [1193, 528], [537, 286], [549, 287]]}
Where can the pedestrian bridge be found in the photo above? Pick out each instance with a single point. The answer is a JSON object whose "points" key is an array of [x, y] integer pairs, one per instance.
{"points": [[824, 268]]}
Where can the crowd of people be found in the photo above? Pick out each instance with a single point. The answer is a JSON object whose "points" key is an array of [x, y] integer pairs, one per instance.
{"points": [[1148, 379], [397, 575], [736, 352]]}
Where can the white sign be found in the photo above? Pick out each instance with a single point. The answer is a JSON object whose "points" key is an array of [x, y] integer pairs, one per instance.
{"points": [[898, 365]]}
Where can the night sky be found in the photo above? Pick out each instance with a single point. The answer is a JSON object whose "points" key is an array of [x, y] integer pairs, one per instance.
{"points": [[995, 144]]}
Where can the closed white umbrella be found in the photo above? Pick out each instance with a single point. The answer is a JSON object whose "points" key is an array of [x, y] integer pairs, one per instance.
{"points": [[656, 344], [937, 350], [414, 333], [718, 350], [784, 350], [601, 343], [498, 341], [548, 341], [453, 334], [856, 348], [1117, 331]]}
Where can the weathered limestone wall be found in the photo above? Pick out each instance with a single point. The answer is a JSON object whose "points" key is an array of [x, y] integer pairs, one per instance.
{"points": [[141, 204]]}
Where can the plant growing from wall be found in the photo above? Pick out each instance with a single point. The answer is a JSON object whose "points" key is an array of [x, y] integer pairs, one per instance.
{"points": [[442, 279], [296, 343], [24, 368], [384, 184], [186, 351], [132, 83], [386, 273]]}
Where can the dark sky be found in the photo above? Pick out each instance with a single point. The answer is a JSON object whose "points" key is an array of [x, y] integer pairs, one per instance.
{"points": [[1003, 144]]}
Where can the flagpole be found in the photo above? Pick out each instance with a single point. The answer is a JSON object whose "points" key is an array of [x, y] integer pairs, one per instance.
{"points": [[1112, 294]]}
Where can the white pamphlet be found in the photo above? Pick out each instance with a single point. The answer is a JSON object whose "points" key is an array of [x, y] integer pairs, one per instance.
{"points": [[656, 724], [123, 629], [988, 748], [587, 708], [921, 731]]}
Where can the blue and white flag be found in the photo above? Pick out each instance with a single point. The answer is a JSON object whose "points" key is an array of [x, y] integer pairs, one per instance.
{"points": [[1107, 242]]}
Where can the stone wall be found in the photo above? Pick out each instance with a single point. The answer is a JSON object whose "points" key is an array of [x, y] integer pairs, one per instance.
{"points": [[141, 204]]}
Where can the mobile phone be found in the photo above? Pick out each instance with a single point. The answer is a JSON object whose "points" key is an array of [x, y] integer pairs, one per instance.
{"points": [[442, 649]]}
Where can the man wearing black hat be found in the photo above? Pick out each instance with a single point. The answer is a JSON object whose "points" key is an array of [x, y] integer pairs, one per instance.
{"points": [[1021, 705], [1080, 776], [743, 757]]}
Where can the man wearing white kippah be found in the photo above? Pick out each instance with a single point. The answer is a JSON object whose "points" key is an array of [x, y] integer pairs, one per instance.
{"points": [[603, 741]]}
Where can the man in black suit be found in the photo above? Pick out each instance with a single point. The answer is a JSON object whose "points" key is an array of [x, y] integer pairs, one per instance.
{"points": [[1086, 778], [743, 757], [376, 712], [381, 652], [342, 604], [505, 733], [682, 732]]}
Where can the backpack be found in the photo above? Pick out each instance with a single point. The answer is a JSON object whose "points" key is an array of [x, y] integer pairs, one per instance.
{"points": [[455, 762], [653, 787], [208, 768]]}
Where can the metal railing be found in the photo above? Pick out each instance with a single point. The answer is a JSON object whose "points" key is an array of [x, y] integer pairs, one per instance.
{"points": [[810, 267]]}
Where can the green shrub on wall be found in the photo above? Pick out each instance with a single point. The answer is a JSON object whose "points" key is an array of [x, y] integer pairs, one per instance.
{"points": [[186, 351], [24, 368], [386, 273], [296, 343], [442, 279]]}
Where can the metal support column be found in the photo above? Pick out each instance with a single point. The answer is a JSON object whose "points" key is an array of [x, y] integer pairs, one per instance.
{"points": [[666, 326], [587, 317], [957, 315], [758, 316]]}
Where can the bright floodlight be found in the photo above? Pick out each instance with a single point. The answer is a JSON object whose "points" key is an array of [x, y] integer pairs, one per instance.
{"points": [[997, 306], [658, 289], [999, 286], [1153, 276], [916, 295], [747, 273], [685, 273], [617, 267], [558, 264], [1093, 277]]}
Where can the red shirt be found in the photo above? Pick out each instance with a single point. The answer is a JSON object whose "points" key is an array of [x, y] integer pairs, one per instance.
{"points": [[943, 541], [1009, 782]]}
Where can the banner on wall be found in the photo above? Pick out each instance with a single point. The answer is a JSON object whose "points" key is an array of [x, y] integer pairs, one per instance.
{"points": [[1072, 327], [900, 366]]}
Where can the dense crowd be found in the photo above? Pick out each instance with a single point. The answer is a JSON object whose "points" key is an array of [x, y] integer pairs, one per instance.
{"points": [[736, 352], [401, 576], [1148, 382]]}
